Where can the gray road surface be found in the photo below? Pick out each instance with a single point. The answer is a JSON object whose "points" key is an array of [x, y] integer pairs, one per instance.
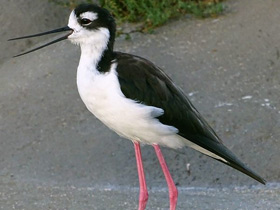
{"points": [[55, 155]]}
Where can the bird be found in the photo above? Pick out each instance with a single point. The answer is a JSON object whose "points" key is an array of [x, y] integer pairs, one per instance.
{"points": [[137, 99]]}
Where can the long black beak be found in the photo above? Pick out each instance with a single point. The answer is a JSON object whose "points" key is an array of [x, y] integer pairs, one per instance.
{"points": [[42, 34]]}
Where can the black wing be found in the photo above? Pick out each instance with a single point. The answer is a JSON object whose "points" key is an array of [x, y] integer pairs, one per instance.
{"points": [[142, 81]]}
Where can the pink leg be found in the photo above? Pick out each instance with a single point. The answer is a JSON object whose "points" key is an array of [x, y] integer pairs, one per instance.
{"points": [[143, 194], [173, 192]]}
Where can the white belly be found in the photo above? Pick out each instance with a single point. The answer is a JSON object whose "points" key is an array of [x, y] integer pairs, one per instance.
{"points": [[102, 95]]}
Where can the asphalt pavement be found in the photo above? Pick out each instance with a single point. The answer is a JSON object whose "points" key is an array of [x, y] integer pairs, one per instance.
{"points": [[55, 155]]}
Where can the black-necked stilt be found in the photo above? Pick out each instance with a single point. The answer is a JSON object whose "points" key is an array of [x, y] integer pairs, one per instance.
{"points": [[137, 99]]}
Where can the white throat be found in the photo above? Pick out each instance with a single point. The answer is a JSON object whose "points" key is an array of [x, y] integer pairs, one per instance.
{"points": [[93, 47], [93, 42]]}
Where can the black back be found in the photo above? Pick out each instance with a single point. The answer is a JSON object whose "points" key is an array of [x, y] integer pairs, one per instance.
{"points": [[142, 81], [146, 83]]}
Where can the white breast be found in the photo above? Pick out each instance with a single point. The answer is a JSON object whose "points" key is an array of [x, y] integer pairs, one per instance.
{"points": [[102, 95]]}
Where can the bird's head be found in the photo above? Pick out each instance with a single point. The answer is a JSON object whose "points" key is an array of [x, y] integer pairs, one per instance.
{"points": [[91, 24], [88, 24]]}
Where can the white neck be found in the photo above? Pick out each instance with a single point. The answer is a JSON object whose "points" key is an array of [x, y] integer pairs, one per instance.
{"points": [[93, 47], [91, 55]]}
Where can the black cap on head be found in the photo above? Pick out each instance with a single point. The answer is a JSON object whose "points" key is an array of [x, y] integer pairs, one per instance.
{"points": [[104, 18]]}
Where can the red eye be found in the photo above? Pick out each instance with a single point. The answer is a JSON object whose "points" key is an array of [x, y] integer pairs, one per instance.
{"points": [[85, 21]]}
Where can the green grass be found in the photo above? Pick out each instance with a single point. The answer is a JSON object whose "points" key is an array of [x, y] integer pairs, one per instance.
{"points": [[153, 13], [156, 12]]}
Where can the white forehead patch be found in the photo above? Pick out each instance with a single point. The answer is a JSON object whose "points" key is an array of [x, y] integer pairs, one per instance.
{"points": [[89, 15], [73, 23]]}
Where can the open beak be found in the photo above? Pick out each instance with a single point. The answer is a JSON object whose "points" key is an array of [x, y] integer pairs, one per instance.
{"points": [[66, 28]]}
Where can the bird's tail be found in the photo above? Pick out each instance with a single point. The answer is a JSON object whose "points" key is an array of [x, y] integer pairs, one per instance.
{"points": [[234, 162], [227, 157]]}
